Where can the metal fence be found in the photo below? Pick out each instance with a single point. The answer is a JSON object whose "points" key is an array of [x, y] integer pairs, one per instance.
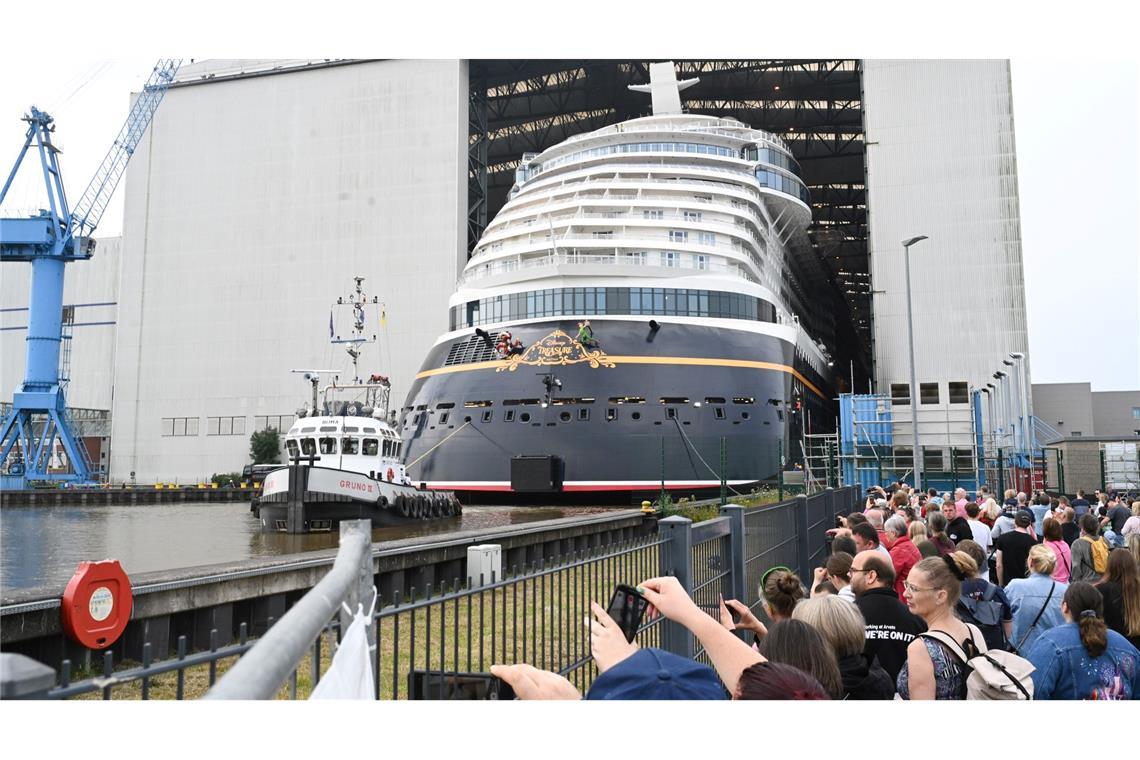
{"points": [[534, 614]]}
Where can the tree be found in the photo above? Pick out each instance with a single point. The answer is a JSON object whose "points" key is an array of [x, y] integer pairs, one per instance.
{"points": [[265, 446]]}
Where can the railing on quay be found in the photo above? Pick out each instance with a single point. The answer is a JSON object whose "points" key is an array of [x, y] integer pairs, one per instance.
{"points": [[535, 614]]}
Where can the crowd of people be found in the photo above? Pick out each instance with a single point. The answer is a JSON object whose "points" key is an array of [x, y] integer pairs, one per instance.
{"points": [[923, 596]]}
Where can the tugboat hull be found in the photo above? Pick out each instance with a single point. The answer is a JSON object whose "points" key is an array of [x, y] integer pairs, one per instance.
{"points": [[303, 499]]}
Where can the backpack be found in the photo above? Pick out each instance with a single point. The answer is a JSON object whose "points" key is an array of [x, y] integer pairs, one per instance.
{"points": [[1099, 554], [985, 613], [993, 674]]}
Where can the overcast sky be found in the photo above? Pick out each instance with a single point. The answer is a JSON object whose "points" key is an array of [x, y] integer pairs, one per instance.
{"points": [[1076, 133]]}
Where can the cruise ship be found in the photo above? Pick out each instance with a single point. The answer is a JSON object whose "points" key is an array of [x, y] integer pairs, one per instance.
{"points": [[627, 321]]}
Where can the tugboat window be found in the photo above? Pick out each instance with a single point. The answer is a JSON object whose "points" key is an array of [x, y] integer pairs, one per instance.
{"points": [[386, 448], [308, 446], [371, 446], [291, 447], [328, 445], [351, 445]]}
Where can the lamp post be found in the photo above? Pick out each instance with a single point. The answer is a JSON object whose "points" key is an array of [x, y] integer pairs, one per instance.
{"points": [[917, 452]]}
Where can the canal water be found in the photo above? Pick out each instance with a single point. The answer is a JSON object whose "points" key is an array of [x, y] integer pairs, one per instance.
{"points": [[41, 546]]}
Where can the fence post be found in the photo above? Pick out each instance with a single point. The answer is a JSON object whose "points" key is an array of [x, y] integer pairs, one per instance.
{"points": [[736, 563], [780, 470], [360, 593], [677, 560], [802, 542], [21, 677]]}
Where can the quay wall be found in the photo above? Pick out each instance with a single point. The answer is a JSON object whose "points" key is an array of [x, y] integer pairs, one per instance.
{"points": [[195, 602]]}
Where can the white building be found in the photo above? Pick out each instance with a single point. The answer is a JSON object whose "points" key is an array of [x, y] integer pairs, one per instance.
{"points": [[941, 163]]}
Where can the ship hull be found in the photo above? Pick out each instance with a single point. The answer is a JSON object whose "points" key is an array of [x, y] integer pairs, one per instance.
{"points": [[681, 404]]}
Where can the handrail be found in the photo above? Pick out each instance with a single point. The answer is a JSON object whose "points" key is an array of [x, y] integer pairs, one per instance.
{"points": [[263, 670]]}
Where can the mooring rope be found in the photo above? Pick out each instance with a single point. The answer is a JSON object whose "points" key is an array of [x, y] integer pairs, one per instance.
{"points": [[433, 448], [698, 453]]}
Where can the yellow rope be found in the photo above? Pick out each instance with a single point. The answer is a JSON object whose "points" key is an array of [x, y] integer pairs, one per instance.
{"points": [[433, 448]]}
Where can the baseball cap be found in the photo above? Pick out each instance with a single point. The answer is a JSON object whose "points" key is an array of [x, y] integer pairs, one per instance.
{"points": [[1023, 519], [656, 674]]}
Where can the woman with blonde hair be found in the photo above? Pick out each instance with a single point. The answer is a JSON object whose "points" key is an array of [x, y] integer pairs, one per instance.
{"points": [[841, 624], [990, 512], [932, 670], [917, 531], [1132, 524], [1036, 600], [982, 603]]}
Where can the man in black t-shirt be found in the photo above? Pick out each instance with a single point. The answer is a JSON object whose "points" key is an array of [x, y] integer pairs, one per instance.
{"points": [[890, 626], [1013, 549]]}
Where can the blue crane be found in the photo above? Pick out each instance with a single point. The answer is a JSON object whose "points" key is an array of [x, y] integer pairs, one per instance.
{"points": [[49, 240]]}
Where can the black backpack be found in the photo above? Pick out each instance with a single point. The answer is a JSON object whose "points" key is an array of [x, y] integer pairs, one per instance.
{"points": [[985, 613]]}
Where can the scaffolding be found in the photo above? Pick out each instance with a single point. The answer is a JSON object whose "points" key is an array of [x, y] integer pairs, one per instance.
{"points": [[875, 444]]}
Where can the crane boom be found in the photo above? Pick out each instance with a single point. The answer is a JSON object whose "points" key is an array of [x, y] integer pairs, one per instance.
{"points": [[89, 210]]}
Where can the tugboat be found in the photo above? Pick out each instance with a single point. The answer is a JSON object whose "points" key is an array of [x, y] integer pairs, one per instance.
{"points": [[344, 454]]}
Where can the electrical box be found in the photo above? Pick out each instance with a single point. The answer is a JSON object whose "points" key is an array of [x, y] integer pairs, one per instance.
{"points": [[485, 560]]}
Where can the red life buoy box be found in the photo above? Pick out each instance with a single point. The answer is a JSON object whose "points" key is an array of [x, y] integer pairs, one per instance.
{"points": [[97, 604]]}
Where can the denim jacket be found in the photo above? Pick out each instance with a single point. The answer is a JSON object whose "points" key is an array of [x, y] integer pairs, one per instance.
{"points": [[1064, 669], [1026, 597]]}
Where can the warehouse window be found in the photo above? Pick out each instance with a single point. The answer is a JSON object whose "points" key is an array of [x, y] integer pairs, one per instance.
{"points": [[279, 422], [225, 426], [932, 460], [959, 393], [179, 427], [928, 393], [1136, 412], [900, 394]]}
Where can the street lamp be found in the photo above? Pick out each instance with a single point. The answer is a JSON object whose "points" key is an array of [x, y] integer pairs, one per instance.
{"points": [[917, 452]]}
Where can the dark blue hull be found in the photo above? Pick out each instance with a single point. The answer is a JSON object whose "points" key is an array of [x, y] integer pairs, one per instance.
{"points": [[679, 404]]}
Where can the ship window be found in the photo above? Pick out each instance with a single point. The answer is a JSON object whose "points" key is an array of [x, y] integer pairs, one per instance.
{"points": [[421, 407], [328, 445], [509, 415], [443, 418], [291, 447], [714, 399], [445, 405], [369, 430], [524, 417], [350, 445], [487, 415], [743, 400], [627, 400], [636, 415], [900, 394], [371, 446], [719, 412], [348, 429], [670, 413], [668, 259], [611, 415], [510, 402], [328, 428], [745, 415], [308, 430], [475, 404], [674, 400], [583, 414], [565, 416], [308, 446], [529, 401]]}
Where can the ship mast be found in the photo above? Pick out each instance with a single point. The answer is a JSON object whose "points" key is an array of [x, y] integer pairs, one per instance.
{"points": [[357, 300]]}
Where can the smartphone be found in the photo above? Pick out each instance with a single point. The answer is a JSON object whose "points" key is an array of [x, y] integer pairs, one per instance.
{"points": [[735, 615], [436, 684], [627, 607]]}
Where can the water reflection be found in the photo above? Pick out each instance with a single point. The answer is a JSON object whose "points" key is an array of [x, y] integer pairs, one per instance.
{"points": [[41, 546]]}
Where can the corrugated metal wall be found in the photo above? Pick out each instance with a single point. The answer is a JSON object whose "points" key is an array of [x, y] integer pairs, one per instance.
{"points": [[941, 163], [249, 207]]}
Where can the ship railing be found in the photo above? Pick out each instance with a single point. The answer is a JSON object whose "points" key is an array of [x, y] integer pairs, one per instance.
{"points": [[506, 266], [531, 613], [631, 240]]}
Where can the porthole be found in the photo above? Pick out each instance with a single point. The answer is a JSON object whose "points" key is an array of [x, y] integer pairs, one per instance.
{"points": [[636, 415], [524, 417], [565, 416], [744, 415]]}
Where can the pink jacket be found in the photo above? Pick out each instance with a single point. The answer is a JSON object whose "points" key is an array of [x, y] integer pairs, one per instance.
{"points": [[1064, 560]]}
